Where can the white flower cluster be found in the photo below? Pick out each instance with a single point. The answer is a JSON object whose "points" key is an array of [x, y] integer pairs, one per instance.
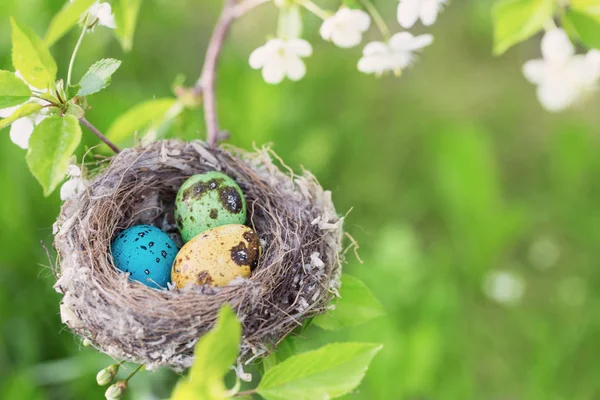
{"points": [[282, 57], [563, 78], [98, 14]]}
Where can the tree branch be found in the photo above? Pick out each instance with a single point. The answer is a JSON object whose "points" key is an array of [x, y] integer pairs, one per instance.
{"points": [[96, 132], [205, 86]]}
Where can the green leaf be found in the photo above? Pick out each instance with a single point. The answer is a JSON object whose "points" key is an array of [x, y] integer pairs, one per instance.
{"points": [[285, 349], [98, 76], [126, 14], [13, 91], [66, 19], [329, 372], [31, 57], [151, 112], [23, 111], [590, 7], [587, 28], [215, 353], [356, 306], [75, 110], [51, 146], [518, 20]]}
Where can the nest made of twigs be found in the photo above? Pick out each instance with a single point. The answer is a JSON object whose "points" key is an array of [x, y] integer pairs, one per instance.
{"points": [[297, 277]]}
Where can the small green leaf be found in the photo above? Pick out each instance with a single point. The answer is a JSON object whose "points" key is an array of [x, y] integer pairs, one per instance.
{"points": [[356, 306], [285, 349], [126, 14], [23, 111], [215, 353], [51, 146], [98, 76], [13, 91], [518, 20], [329, 372], [587, 28], [151, 112], [290, 22], [75, 110], [31, 57], [66, 19]]}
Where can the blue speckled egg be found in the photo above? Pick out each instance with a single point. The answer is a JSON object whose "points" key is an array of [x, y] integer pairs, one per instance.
{"points": [[146, 253]]}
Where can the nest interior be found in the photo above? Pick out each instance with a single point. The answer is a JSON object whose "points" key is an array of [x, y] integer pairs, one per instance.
{"points": [[297, 277]]}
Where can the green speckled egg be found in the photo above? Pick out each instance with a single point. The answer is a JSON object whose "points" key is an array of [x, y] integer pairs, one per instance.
{"points": [[206, 201]]}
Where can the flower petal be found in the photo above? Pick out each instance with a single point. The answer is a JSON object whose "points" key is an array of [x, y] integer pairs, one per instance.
{"points": [[373, 48], [258, 57], [346, 38], [535, 71], [299, 47], [556, 46], [360, 20], [557, 96], [21, 131], [295, 68], [374, 64], [327, 28], [429, 11], [105, 16], [592, 62], [273, 71], [405, 41], [408, 12]]}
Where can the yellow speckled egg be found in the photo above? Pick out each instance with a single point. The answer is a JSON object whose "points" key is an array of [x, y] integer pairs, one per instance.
{"points": [[217, 256]]}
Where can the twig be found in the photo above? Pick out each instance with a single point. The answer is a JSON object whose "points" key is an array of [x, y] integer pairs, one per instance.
{"points": [[206, 84], [379, 21], [96, 132], [245, 393]]}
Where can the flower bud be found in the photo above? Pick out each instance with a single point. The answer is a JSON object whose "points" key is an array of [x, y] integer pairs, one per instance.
{"points": [[106, 376], [115, 392]]}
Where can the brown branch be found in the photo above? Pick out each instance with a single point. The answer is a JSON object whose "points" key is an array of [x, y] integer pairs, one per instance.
{"points": [[206, 84], [96, 132]]}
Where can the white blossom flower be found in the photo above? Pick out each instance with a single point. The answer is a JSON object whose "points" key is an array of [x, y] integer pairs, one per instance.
{"points": [[562, 77], [345, 27], [22, 128], [397, 54], [279, 58], [99, 14], [504, 287], [74, 186], [410, 11]]}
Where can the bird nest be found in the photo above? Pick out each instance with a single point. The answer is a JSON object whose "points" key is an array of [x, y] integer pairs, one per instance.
{"points": [[297, 277]]}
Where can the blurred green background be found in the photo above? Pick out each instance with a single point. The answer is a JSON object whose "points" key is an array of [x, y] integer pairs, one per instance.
{"points": [[476, 211]]}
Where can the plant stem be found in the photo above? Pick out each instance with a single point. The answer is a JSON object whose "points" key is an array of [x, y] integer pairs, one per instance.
{"points": [[313, 8], [72, 62], [379, 21], [206, 83], [245, 393], [246, 6], [99, 134], [135, 371]]}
